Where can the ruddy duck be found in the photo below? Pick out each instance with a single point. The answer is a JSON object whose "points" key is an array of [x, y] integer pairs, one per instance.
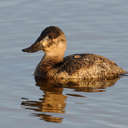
{"points": [[55, 66]]}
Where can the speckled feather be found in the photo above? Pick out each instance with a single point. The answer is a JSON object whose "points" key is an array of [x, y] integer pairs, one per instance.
{"points": [[73, 63], [85, 66], [87, 63]]}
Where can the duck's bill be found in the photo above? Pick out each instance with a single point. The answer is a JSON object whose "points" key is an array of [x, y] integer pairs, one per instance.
{"points": [[33, 48]]}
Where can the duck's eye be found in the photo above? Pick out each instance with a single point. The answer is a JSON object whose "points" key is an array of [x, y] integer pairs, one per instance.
{"points": [[50, 37]]}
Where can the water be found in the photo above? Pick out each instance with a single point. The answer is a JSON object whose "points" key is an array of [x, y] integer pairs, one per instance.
{"points": [[95, 26]]}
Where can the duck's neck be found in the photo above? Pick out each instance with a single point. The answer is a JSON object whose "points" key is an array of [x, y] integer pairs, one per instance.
{"points": [[50, 60]]}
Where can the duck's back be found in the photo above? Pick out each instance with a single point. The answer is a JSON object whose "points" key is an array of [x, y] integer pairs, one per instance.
{"points": [[87, 66]]}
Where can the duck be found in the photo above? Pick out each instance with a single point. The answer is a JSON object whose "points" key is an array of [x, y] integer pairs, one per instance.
{"points": [[54, 65]]}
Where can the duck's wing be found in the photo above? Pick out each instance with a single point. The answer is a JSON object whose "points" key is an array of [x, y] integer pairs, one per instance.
{"points": [[75, 62], [89, 62]]}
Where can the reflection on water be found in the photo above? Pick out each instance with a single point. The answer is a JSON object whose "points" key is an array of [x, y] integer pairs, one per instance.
{"points": [[53, 100], [92, 86]]}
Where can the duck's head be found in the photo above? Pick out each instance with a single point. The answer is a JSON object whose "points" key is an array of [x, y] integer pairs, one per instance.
{"points": [[52, 41]]}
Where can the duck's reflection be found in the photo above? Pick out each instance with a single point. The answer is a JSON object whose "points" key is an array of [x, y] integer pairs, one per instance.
{"points": [[53, 100], [92, 86]]}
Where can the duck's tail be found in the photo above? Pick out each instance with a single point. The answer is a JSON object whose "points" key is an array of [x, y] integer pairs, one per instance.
{"points": [[124, 74]]}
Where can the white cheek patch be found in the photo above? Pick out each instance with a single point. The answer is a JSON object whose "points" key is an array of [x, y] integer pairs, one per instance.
{"points": [[44, 42]]}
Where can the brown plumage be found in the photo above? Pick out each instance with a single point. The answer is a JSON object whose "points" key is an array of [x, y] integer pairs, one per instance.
{"points": [[57, 67]]}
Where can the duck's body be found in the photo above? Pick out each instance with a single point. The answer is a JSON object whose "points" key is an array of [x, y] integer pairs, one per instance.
{"points": [[83, 66]]}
